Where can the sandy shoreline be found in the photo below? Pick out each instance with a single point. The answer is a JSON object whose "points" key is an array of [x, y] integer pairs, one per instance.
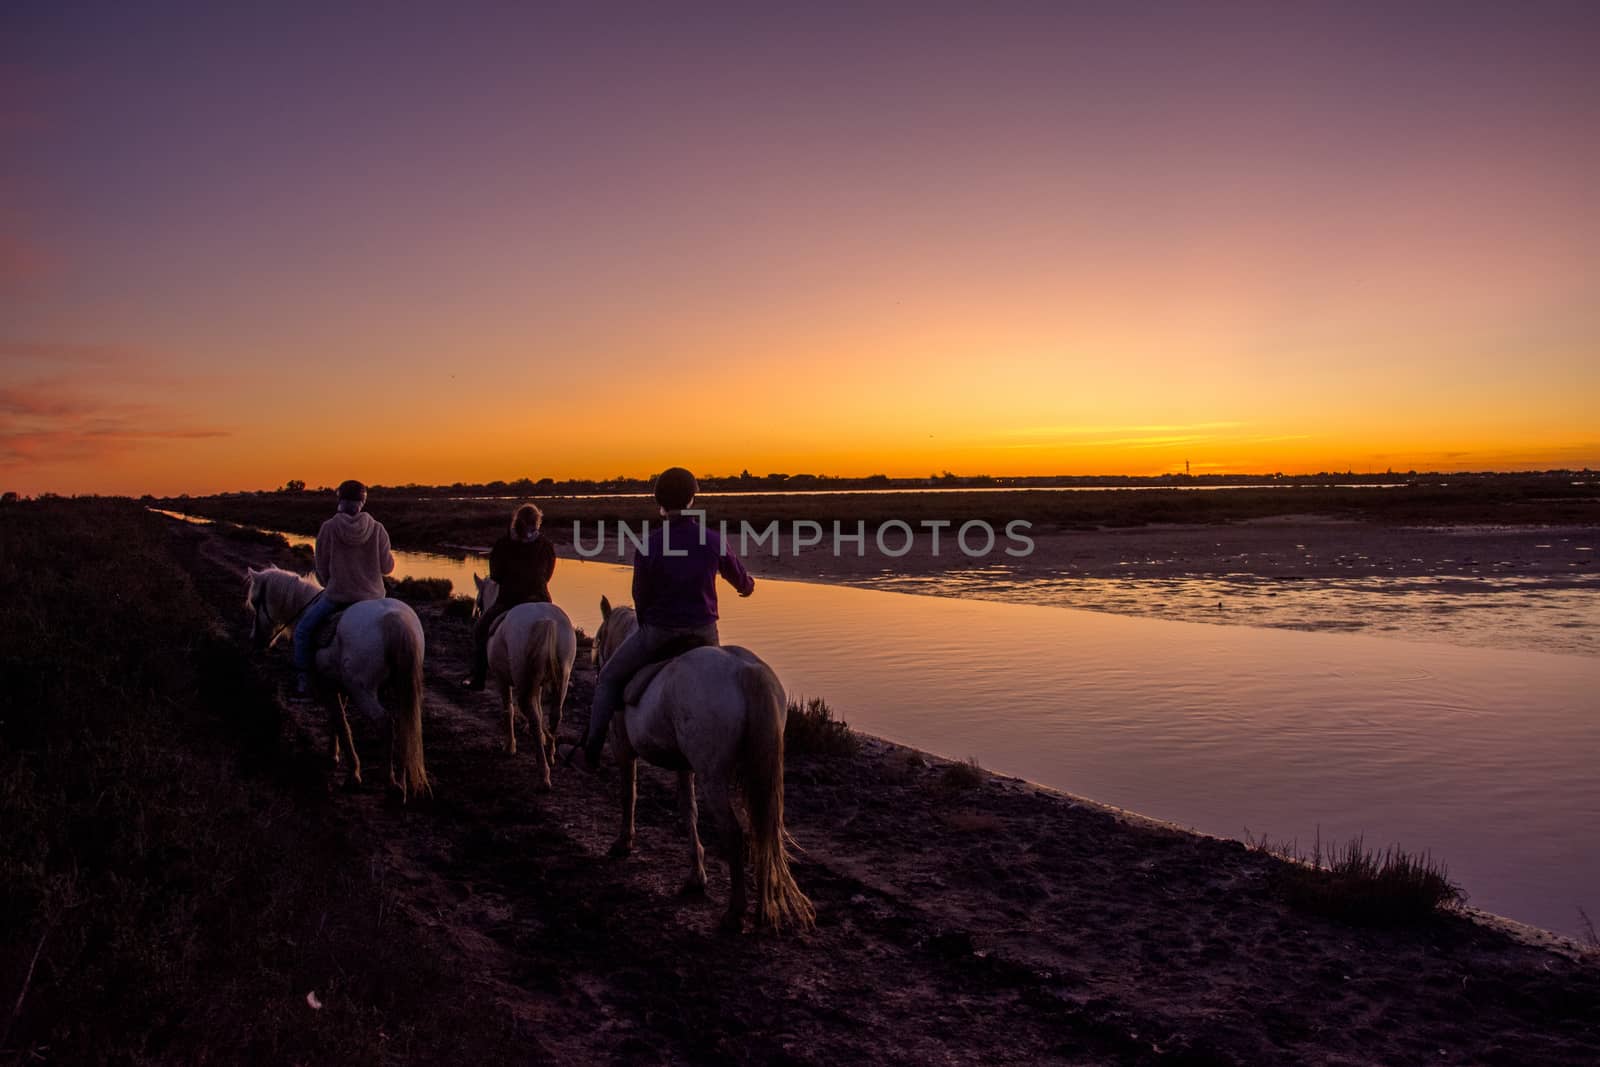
{"points": [[951, 912]]}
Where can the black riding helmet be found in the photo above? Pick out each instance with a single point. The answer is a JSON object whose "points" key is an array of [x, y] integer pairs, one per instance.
{"points": [[353, 490], [675, 488]]}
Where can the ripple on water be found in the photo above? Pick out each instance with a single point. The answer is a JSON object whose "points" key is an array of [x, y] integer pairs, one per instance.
{"points": [[1537, 612]]}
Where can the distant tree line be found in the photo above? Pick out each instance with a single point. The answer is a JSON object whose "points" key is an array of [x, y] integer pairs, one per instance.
{"points": [[745, 482]]}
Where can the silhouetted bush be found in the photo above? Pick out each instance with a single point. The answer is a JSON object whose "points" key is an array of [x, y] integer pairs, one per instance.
{"points": [[812, 730], [419, 590], [1362, 885], [962, 777]]}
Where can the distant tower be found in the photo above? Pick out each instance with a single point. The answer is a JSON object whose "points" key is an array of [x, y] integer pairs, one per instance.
{"points": [[1186, 468]]}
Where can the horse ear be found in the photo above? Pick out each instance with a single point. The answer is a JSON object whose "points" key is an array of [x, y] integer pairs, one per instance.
{"points": [[251, 571], [476, 580], [605, 608]]}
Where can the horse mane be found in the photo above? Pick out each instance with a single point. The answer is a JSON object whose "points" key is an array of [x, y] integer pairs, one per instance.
{"points": [[280, 578]]}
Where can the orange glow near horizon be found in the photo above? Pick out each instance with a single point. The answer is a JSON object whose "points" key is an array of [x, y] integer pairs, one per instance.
{"points": [[552, 246]]}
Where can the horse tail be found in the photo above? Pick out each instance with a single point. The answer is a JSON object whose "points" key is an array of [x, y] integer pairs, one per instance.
{"points": [[778, 898], [544, 656], [402, 647]]}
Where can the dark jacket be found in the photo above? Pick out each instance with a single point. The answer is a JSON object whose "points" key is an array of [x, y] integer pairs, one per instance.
{"points": [[523, 569], [680, 591]]}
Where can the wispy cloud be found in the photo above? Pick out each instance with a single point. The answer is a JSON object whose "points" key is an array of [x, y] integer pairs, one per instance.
{"points": [[76, 403], [57, 355], [1077, 430], [1148, 436]]}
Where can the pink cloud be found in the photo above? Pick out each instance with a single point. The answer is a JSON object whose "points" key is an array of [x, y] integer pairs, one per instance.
{"points": [[59, 353], [62, 419]]}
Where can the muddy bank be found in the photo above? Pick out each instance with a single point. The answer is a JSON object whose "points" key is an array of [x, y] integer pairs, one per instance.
{"points": [[962, 919]]}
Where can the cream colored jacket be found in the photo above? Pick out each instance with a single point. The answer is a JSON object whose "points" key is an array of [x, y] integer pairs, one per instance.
{"points": [[352, 558]]}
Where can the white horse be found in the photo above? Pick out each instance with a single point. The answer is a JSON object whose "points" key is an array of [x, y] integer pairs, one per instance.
{"points": [[378, 646], [716, 714], [530, 657]]}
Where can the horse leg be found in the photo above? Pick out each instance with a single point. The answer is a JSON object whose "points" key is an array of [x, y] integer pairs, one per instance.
{"points": [[720, 800], [696, 884], [534, 714], [555, 714], [508, 698], [333, 742], [366, 702], [339, 726], [629, 765]]}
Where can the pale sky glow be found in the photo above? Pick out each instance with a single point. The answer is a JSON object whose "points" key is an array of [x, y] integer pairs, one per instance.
{"points": [[238, 247]]}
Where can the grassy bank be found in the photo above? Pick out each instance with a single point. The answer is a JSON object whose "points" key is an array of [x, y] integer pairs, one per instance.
{"points": [[171, 888], [176, 883]]}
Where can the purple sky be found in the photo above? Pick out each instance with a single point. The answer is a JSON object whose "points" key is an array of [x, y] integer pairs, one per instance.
{"points": [[221, 230]]}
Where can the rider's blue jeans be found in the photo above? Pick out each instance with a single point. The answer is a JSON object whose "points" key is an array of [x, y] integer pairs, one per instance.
{"points": [[637, 650], [305, 631]]}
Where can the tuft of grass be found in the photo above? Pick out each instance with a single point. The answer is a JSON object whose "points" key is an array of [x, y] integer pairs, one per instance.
{"points": [[962, 777], [458, 607], [419, 590], [812, 730], [1361, 885]]}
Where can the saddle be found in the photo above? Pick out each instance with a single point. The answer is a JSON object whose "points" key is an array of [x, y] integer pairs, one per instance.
{"points": [[634, 692], [323, 635]]}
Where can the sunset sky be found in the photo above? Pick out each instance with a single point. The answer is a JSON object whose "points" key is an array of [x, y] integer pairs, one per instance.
{"points": [[441, 242]]}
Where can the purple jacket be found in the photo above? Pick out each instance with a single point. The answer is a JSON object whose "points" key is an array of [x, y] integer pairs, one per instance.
{"points": [[680, 592]]}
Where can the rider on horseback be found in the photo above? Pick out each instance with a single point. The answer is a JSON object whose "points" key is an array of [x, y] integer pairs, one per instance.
{"points": [[352, 558], [674, 594], [522, 563]]}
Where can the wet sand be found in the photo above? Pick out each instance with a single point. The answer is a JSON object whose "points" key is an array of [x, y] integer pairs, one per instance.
{"points": [[1285, 548], [992, 922]]}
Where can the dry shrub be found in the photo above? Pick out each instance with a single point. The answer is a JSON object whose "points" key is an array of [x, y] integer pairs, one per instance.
{"points": [[419, 590], [813, 731], [962, 777], [1362, 885]]}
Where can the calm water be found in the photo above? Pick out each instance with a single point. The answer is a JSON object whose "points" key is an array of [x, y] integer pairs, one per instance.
{"points": [[1486, 757]]}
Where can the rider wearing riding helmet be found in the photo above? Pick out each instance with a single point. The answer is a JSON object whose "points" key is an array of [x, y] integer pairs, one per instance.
{"points": [[522, 564], [674, 596], [352, 557]]}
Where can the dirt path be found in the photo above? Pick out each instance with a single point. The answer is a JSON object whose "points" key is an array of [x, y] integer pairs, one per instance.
{"points": [[957, 923]]}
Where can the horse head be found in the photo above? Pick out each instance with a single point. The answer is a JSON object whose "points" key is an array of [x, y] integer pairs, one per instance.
{"points": [[262, 630], [488, 590], [615, 625], [275, 599]]}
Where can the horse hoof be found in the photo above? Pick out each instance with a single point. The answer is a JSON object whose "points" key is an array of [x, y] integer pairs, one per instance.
{"points": [[543, 787], [731, 924], [352, 784], [694, 887], [620, 849]]}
